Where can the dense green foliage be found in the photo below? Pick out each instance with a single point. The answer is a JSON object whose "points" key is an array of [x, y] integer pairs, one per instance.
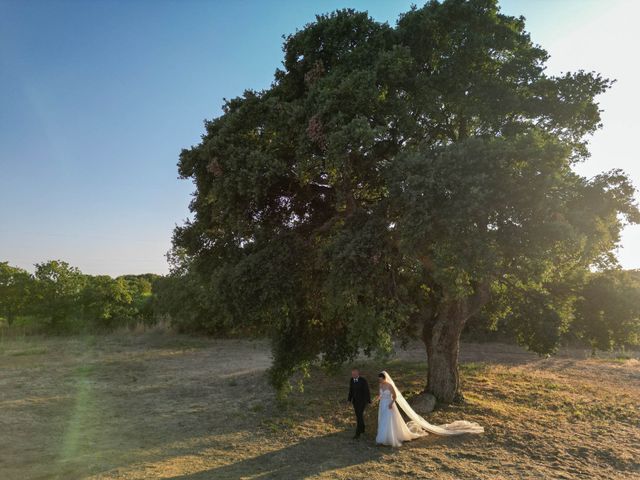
{"points": [[15, 292], [602, 311], [608, 310], [58, 298], [395, 180], [606, 313], [182, 297]]}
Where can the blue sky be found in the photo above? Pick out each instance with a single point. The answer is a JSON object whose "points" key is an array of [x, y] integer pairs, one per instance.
{"points": [[97, 98]]}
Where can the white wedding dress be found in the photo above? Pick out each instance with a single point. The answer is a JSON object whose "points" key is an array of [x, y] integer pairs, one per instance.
{"points": [[392, 429]]}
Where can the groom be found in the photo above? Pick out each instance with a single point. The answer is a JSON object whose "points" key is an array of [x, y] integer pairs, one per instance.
{"points": [[358, 395]]}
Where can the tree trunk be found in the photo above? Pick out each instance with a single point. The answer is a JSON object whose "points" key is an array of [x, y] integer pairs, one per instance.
{"points": [[441, 337], [441, 332]]}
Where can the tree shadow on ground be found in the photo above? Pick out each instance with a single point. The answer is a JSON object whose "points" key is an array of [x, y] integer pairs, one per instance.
{"points": [[306, 458]]}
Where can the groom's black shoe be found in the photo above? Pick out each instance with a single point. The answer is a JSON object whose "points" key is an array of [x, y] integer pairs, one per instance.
{"points": [[356, 436]]}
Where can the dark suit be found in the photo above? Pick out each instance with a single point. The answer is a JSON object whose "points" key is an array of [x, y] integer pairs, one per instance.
{"points": [[359, 395]]}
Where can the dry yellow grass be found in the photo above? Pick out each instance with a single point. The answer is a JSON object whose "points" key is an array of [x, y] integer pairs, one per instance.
{"points": [[176, 407]]}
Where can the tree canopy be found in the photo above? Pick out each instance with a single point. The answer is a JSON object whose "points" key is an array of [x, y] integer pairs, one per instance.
{"points": [[396, 179]]}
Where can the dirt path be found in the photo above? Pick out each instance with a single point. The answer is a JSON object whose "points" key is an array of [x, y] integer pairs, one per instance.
{"points": [[167, 406]]}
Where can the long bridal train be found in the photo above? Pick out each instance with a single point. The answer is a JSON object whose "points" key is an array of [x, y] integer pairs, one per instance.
{"points": [[392, 430]]}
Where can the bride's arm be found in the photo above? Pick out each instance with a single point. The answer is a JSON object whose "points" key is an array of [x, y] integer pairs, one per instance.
{"points": [[377, 398], [393, 394]]}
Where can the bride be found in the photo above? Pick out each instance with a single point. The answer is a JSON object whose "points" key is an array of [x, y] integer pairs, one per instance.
{"points": [[392, 430]]}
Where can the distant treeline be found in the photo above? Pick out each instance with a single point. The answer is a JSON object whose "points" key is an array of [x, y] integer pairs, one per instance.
{"points": [[59, 298], [603, 313]]}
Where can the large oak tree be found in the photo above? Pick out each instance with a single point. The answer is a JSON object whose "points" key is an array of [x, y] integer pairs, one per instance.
{"points": [[394, 177]]}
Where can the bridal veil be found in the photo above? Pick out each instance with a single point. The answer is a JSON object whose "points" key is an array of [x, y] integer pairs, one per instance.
{"points": [[417, 424]]}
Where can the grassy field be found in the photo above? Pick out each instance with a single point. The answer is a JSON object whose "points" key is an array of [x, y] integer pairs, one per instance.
{"points": [[166, 406]]}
